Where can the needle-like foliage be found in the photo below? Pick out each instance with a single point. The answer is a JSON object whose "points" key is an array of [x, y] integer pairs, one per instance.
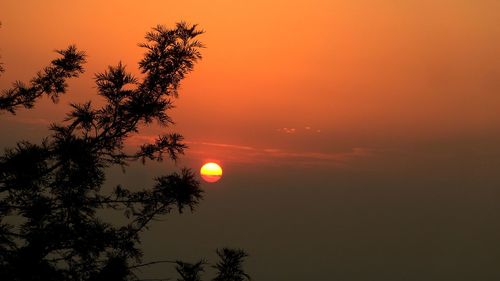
{"points": [[230, 266], [51, 81], [51, 193]]}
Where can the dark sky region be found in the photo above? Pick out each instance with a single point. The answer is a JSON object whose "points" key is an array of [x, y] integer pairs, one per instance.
{"points": [[359, 139]]}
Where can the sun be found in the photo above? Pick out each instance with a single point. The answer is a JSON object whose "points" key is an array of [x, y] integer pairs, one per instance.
{"points": [[211, 172]]}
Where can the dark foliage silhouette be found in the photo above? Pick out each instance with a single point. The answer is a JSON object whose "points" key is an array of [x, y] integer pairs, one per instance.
{"points": [[51, 193], [230, 266], [51, 81]]}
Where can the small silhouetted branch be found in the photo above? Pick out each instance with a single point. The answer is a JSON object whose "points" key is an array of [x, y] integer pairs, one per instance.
{"points": [[151, 263], [190, 271], [154, 279], [51, 81], [230, 265]]}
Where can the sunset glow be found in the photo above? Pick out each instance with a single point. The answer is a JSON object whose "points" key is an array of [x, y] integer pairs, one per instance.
{"points": [[211, 172]]}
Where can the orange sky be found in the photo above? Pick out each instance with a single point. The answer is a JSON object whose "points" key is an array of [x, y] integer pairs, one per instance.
{"points": [[359, 71], [397, 91]]}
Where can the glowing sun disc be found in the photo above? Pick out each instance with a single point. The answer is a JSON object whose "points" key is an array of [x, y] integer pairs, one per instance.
{"points": [[211, 172]]}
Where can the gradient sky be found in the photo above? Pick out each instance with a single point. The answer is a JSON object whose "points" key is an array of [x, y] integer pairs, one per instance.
{"points": [[359, 139]]}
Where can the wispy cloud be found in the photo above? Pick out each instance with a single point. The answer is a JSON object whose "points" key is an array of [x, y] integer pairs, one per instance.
{"points": [[287, 130], [306, 129], [251, 154], [224, 145]]}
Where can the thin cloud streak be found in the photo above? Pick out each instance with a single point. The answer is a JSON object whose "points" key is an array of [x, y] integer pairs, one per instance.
{"points": [[248, 154], [224, 145]]}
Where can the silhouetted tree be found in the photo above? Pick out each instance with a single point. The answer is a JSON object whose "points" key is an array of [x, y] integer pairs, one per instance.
{"points": [[230, 266], [190, 271], [50, 193]]}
